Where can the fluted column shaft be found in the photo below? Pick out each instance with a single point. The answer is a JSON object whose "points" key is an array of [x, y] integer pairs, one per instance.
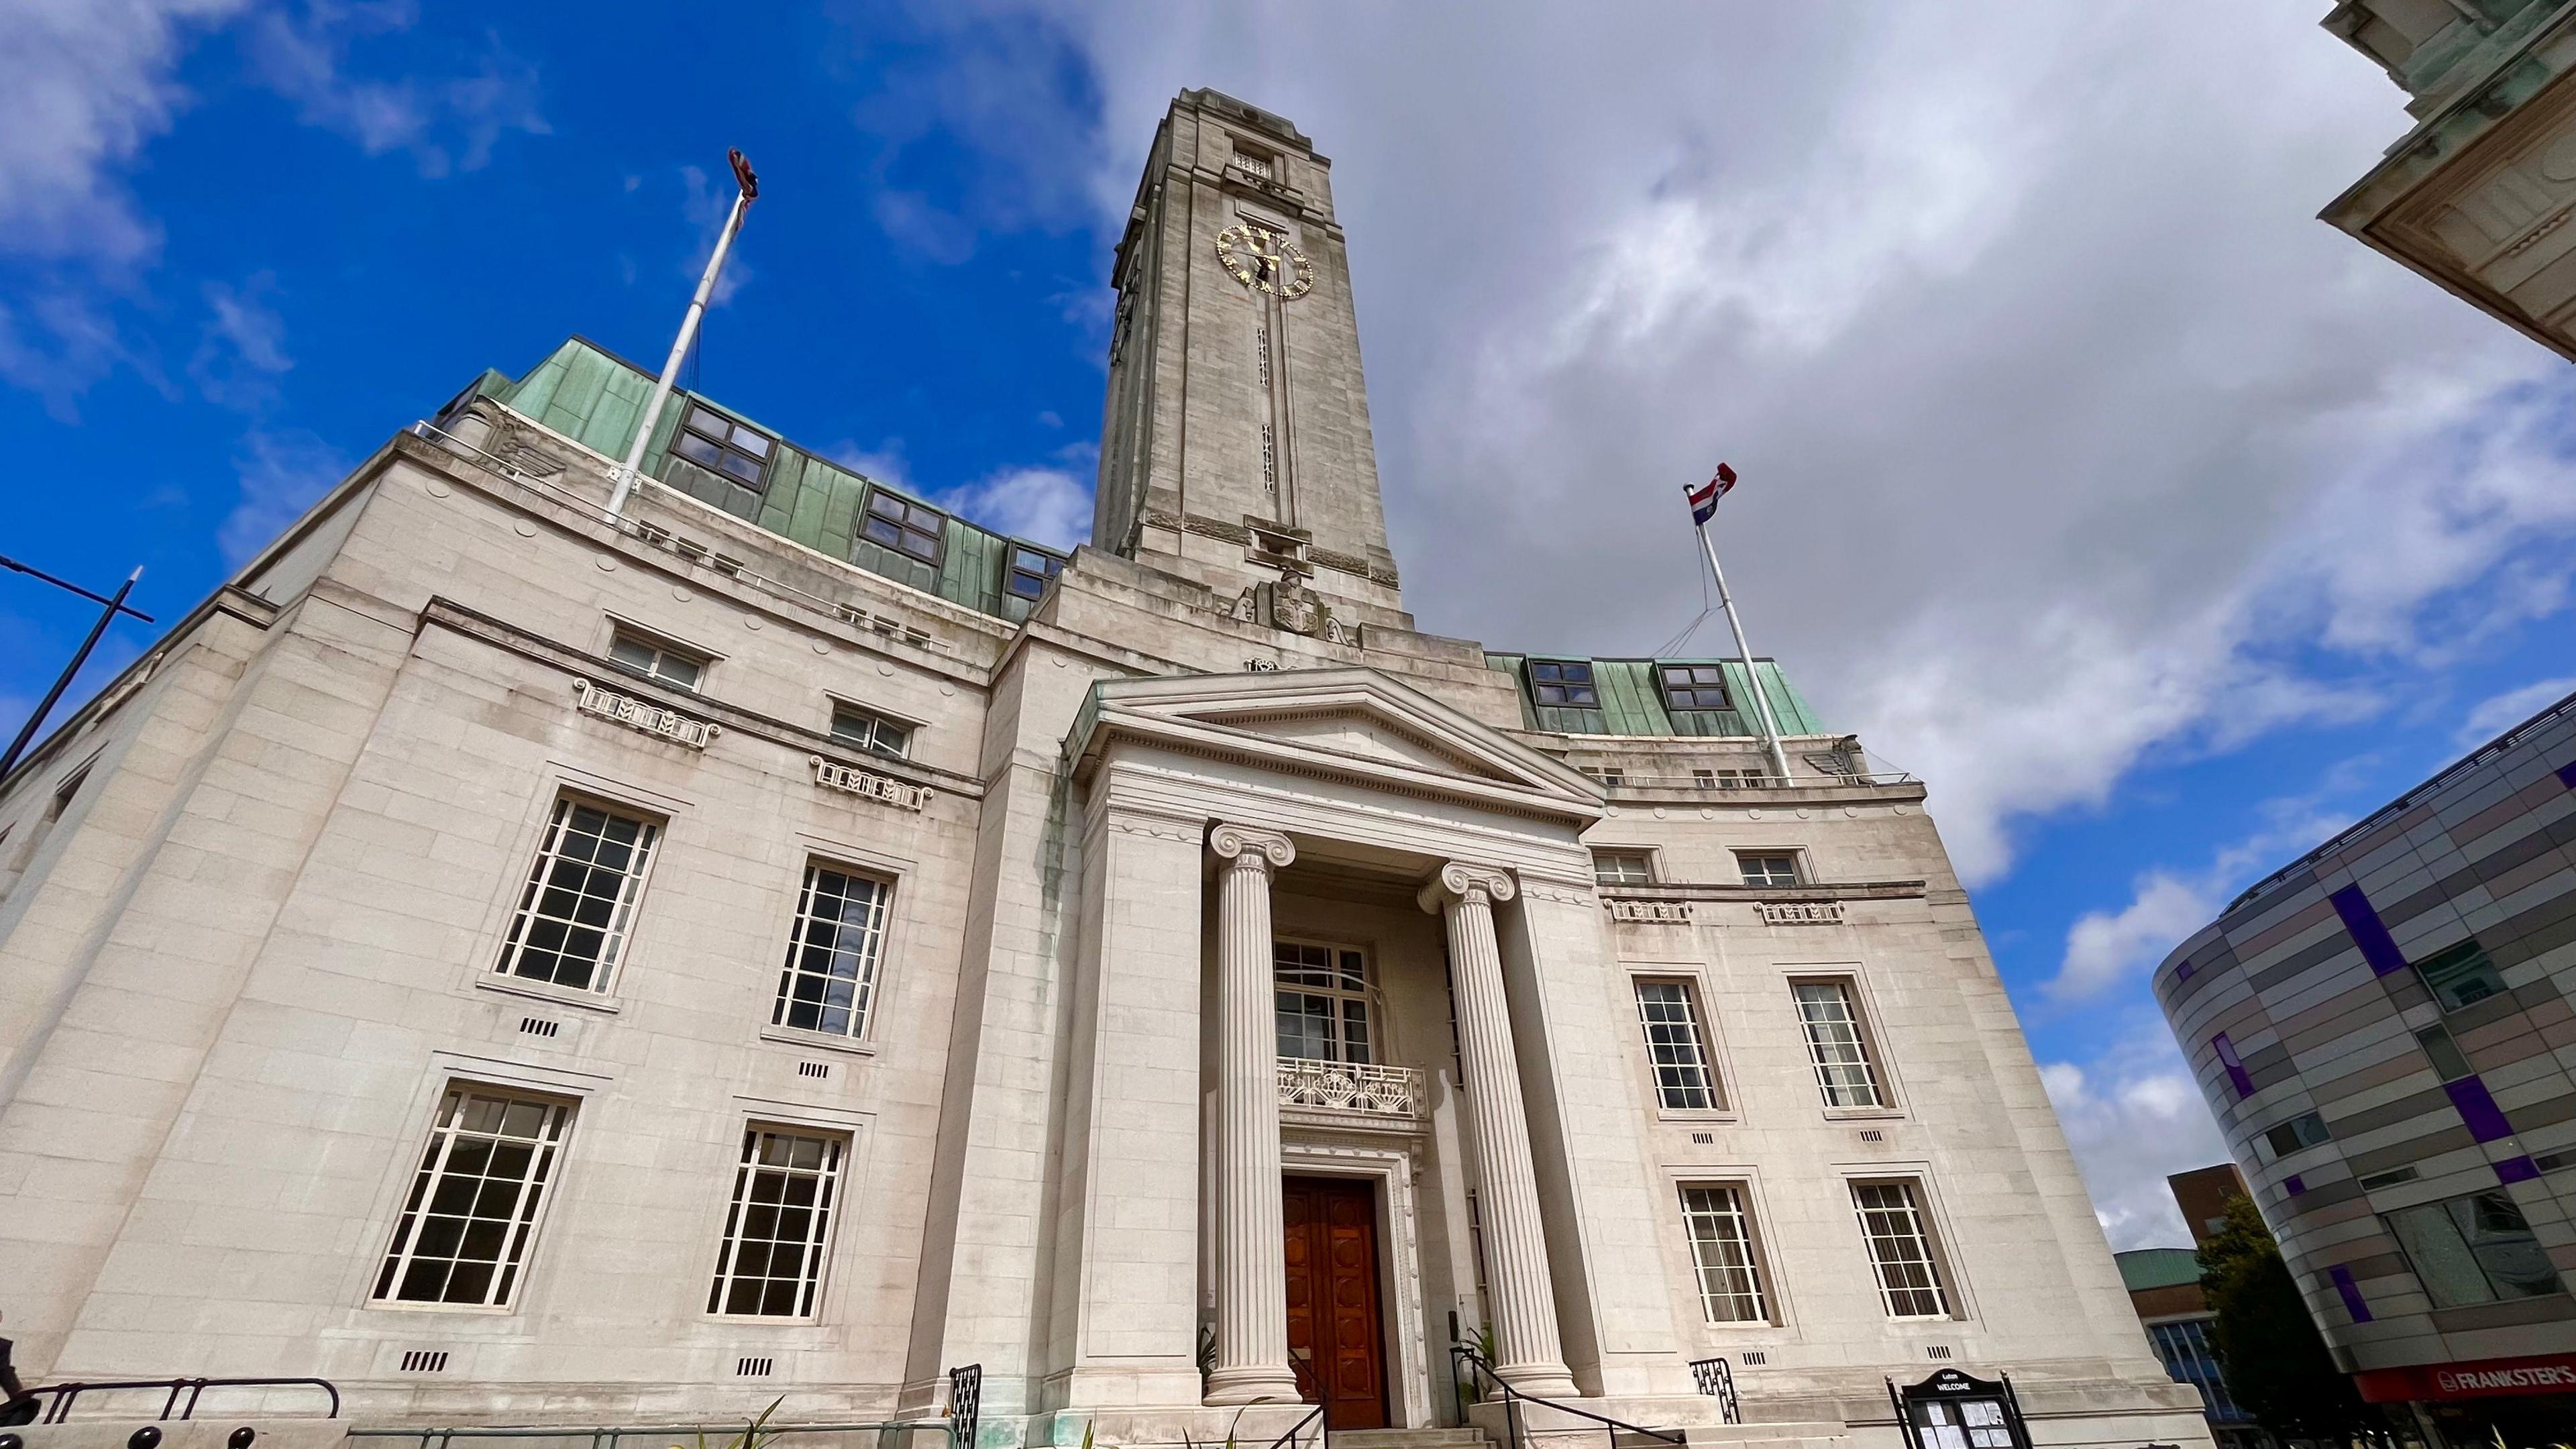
{"points": [[1251, 1253], [1528, 1353]]}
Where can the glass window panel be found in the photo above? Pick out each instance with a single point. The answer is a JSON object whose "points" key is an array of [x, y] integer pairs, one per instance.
{"points": [[830, 975], [2459, 975], [1900, 1250], [2448, 1060], [1324, 1009], [1720, 1230], [482, 1180], [1768, 869], [581, 895], [1675, 1047], [770, 1263], [1844, 1071]]}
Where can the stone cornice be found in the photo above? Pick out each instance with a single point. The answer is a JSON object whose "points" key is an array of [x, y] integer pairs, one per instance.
{"points": [[1877, 890]]}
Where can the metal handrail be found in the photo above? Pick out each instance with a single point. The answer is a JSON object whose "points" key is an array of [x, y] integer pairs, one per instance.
{"points": [[59, 1411], [1513, 1398], [1715, 1377], [1738, 784], [1314, 1416]]}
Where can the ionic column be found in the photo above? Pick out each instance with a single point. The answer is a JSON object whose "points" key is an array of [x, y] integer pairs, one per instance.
{"points": [[1528, 1354], [1251, 1254]]}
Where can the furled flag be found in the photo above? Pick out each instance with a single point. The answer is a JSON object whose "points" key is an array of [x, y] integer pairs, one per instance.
{"points": [[1703, 501]]}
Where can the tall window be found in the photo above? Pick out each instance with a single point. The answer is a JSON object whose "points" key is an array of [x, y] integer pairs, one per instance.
{"points": [[649, 658], [722, 446], [1767, 867], [871, 732], [1721, 1243], [1030, 571], [1323, 1002], [2185, 1348], [1623, 867], [1836, 1046], [1900, 1250], [830, 977], [466, 1223], [1564, 682], [2460, 975], [573, 917], [2474, 1249], [1693, 686], [2448, 1060], [903, 525], [779, 1228], [1683, 1081]]}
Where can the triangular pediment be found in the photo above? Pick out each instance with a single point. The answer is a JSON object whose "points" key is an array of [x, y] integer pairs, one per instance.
{"points": [[1357, 722]]}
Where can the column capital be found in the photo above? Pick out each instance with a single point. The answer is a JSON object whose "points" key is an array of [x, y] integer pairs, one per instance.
{"points": [[1459, 881], [1248, 847]]}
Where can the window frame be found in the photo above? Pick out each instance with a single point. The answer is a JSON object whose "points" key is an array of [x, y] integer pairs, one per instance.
{"points": [[417, 1187], [1564, 685], [728, 446], [871, 985], [2388, 1222], [663, 646], [878, 720], [616, 953], [2469, 952], [840, 1148], [1756, 1266], [903, 521], [1367, 996], [1795, 857], [1936, 1257], [2267, 1140], [1692, 688], [1704, 1038], [1644, 855], [1013, 571], [1864, 1031]]}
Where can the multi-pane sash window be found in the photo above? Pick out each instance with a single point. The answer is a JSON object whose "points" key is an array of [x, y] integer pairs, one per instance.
{"points": [[1900, 1250], [652, 659], [1721, 1243], [722, 445], [1693, 686], [871, 732], [1683, 1081], [1835, 1045], [1030, 571], [903, 525], [1323, 1002], [1623, 867], [572, 919], [1767, 867], [2474, 1249], [831, 972], [466, 1223], [779, 1228], [1565, 682]]}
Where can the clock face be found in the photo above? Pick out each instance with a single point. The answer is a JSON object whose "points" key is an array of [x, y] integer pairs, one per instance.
{"points": [[1266, 261]]}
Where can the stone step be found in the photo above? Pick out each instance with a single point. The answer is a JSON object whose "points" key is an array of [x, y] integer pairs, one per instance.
{"points": [[1409, 1439]]}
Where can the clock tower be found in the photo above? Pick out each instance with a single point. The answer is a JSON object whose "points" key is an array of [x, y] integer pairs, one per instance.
{"points": [[1236, 450]]}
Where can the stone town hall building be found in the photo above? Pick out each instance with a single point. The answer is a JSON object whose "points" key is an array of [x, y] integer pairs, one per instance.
{"points": [[532, 966]]}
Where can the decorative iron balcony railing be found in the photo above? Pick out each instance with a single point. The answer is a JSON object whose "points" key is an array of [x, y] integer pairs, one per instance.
{"points": [[1350, 1087]]}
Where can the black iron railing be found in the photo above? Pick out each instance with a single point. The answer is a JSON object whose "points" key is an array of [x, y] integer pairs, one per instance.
{"points": [[180, 1397], [1716, 1379], [1515, 1425]]}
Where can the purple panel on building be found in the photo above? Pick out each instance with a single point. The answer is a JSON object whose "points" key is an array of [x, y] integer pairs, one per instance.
{"points": [[2567, 776], [2517, 1169], [2478, 1109], [2377, 946], [2236, 1073], [2351, 1292], [2295, 1185]]}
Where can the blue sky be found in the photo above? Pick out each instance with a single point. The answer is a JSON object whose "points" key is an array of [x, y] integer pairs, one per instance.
{"points": [[2161, 527]]}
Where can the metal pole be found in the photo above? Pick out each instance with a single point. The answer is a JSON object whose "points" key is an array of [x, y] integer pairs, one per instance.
{"points": [[115, 606], [1761, 699], [626, 471]]}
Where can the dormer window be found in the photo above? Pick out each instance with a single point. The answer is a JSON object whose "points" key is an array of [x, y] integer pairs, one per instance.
{"points": [[1693, 687], [1030, 571], [722, 446], [1566, 682], [909, 528]]}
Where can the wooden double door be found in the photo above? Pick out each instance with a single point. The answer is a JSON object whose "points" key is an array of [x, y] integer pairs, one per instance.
{"points": [[1334, 1330]]}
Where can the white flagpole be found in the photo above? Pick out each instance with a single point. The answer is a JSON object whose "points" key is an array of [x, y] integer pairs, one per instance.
{"points": [[745, 188], [1761, 698]]}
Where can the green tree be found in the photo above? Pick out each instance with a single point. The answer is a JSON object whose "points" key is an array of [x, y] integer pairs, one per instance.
{"points": [[2274, 1360]]}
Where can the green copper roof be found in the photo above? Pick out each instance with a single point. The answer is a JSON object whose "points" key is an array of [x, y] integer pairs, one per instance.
{"points": [[2144, 1268], [594, 397], [1632, 704]]}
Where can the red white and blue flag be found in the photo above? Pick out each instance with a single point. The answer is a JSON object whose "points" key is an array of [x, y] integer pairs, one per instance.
{"points": [[1703, 500]]}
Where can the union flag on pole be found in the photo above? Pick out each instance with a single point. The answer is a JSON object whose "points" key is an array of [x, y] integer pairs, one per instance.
{"points": [[1703, 500]]}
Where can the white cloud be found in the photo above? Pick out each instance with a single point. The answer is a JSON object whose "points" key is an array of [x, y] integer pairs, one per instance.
{"points": [[885, 462], [2104, 949], [1044, 505], [242, 350], [281, 473], [447, 123], [2133, 1118], [707, 207], [2493, 716]]}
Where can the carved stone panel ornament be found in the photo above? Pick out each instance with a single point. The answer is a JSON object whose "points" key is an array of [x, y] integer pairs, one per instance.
{"points": [[851, 780], [1265, 261], [643, 715], [1800, 913], [1663, 912]]}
